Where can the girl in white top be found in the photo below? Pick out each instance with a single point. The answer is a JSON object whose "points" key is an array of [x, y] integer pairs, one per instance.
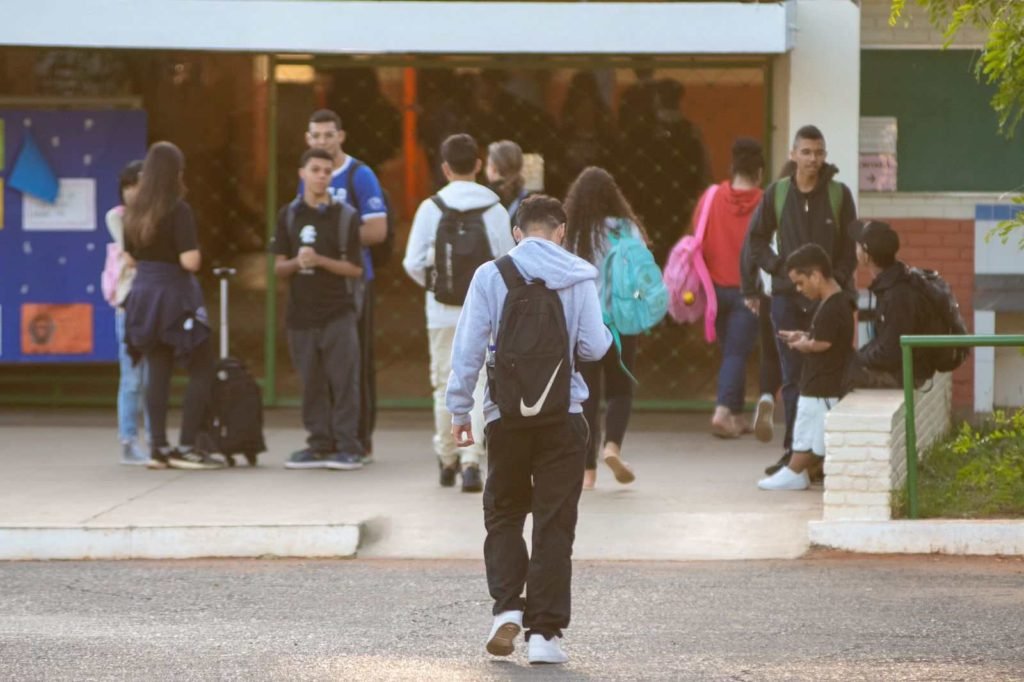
{"points": [[131, 384]]}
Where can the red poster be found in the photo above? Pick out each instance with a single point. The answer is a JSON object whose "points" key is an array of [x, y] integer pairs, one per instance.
{"points": [[56, 329]]}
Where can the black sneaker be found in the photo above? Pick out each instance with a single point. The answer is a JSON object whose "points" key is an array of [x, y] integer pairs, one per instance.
{"points": [[783, 461], [193, 460], [158, 459], [448, 474], [471, 481]]}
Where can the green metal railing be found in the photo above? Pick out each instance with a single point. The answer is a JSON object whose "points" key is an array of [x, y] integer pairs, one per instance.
{"points": [[908, 343]]}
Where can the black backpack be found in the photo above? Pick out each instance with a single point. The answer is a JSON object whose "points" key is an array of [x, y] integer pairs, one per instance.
{"points": [[529, 378], [380, 254], [944, 318], [461, 246], [348, 220]]}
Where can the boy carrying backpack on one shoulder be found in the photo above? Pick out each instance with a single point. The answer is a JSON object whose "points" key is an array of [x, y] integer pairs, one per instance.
{"points": [[531, 315], [454, 232]]}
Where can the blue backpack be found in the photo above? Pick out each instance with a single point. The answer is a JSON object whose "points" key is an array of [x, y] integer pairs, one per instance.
{"points": [[634, 297]]}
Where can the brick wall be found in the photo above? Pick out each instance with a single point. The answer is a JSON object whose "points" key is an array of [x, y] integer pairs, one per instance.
{"points": [[865, 448], [913, 30], [946, 246]]}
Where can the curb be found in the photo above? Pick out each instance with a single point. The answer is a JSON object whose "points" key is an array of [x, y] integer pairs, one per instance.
{"points": [[36, 543], [933, 536]]}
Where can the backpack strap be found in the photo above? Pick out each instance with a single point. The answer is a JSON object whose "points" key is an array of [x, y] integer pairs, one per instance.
{"points": [[705, 211], [509, 272], [350, 184], [291, 213], [835, 198], [348, 220], [781, 192], [439, 202]]}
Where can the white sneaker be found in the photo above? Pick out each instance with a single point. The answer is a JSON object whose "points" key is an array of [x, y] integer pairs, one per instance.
{"points": [[764, 417], [546, 650], [507, 626], [785, 479]]}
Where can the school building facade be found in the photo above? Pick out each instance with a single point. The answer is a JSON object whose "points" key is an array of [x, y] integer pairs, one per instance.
{"points": [[232, 81]]}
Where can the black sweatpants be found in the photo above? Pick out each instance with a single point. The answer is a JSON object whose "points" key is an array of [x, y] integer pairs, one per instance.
{"points": [[606, 379], [535, 471], [770, 380], [327, 359], [367, 371], [160, 363]]}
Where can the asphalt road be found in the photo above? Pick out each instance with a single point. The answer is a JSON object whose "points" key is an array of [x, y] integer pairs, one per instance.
{"points": [[823, 618]]}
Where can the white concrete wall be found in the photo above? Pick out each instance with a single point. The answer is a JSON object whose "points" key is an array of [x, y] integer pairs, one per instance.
{"points": [[313, 26], [865, 447], [984, 363], [998, 372], [1008, 389], [818, 83]]}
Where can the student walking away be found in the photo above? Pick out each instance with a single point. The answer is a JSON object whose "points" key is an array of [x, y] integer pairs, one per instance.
{"points": [[760, 303], [530, 315], [587, 132], [317, 247], [354, 182], [454, 232], [166, 320], [809, 207], [600, 222], [504, 172], [735, 325], [907, 301], [770, 370], [116, 282], [827, 346], [664, 162]]}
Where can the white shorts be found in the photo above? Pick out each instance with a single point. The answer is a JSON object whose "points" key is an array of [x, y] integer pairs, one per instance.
{"points": [[809, 429]]}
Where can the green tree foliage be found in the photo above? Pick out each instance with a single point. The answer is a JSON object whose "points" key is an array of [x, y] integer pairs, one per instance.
{"points": [[1001, 63]]}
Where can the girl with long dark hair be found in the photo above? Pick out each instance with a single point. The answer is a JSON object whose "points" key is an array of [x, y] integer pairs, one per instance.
{"points": [[596, 208], [165, 317]]}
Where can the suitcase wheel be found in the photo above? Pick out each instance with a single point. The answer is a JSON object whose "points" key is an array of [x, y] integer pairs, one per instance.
{"points": [[230, 459], [250, 457]]}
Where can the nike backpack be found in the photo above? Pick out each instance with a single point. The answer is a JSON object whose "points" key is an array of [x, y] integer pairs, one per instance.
{"points": [[530, 373], [461, 246]]}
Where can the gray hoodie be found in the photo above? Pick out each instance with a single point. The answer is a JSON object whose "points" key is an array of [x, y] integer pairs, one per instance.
{"points": [[575, 281]]}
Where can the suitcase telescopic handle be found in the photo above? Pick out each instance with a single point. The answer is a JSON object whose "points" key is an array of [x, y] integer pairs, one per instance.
{"points": [[224, 274]]}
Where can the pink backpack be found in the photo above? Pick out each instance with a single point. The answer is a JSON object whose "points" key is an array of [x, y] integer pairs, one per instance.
{"points": [[691, 291], [111, 273]]}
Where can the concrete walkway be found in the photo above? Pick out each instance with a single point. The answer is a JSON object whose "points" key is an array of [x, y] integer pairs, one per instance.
{"points": [[62, 495]]}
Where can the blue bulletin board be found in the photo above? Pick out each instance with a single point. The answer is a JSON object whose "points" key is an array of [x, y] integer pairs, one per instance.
{"points": [[51, 254]]}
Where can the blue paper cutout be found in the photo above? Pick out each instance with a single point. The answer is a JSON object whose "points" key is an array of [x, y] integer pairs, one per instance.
{"points": [[32, 173]]}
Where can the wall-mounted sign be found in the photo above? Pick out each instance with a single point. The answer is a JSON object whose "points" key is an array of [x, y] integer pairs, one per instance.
{"points": [[878, 167]]}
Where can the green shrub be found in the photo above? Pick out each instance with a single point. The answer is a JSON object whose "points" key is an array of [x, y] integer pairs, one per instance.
{"points": [[975, 473]]}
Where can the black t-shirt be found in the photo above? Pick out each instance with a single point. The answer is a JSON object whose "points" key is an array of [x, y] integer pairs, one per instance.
{"points": [[822, 375], [175, 234], [318, 297]]}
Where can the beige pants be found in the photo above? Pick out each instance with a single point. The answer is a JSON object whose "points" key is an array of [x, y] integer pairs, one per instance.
{"points": [[440, 367]]}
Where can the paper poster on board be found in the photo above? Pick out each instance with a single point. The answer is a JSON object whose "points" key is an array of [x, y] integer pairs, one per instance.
{"points": [[56, 329], [878, 164], [74, 210]]}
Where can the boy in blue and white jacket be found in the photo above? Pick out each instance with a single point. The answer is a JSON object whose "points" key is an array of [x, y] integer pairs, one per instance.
{"points": [[536, 470]]}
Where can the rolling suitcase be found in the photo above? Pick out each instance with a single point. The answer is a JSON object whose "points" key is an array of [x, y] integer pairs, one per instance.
{"points": [[235, 419]]}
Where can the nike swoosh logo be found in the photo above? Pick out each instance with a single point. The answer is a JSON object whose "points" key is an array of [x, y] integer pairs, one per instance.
{"points": [[535, 409]]}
